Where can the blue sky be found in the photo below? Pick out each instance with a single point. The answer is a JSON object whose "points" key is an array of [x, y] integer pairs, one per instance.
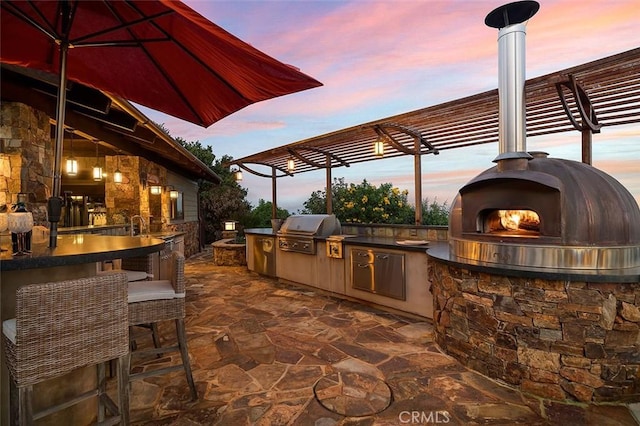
{"points": [[382, 58]]}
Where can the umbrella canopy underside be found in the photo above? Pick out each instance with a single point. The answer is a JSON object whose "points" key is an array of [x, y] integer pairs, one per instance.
{"points": [[160, 54]]}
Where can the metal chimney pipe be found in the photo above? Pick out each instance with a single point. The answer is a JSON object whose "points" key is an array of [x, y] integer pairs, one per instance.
{"points": [[511, 20]]}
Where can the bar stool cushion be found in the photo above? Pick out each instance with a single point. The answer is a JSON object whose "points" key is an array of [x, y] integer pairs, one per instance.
{"points": [[9, 329], [142, 291]]}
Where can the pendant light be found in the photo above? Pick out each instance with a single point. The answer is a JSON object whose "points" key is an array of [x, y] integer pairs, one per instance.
{"points": [[72, 163], [237, 175], [97, 170], [117, 175], [291, 164], [378, 147]]}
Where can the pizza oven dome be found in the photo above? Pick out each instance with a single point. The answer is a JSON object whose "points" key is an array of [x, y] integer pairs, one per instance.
{"points": [[584, 216]]}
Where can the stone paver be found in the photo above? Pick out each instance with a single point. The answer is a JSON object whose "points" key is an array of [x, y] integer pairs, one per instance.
{"points": [[262, 351]]}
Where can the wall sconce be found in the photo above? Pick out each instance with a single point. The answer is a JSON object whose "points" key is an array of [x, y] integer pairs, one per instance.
{"points": [[378, 147], [72, 163], [155, 189], [230, 225], [117, 175], [97, 170], [173, 193], [238, 175], [291, 164]]}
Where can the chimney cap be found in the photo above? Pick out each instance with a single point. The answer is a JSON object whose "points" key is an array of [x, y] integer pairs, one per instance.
{"points": [[511, 14]]}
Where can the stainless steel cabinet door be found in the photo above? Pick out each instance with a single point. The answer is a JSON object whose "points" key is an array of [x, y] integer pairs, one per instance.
{"points": [[378, 272]]}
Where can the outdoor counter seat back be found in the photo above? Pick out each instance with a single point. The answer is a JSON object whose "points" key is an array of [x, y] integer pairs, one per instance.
{"points": [[63, 326], [151, 302]]}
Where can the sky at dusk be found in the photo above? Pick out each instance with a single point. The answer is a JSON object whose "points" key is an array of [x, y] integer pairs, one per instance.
{"points": [[382, 58]]}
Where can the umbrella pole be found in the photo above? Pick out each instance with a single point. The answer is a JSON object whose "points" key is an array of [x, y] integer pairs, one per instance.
{"points": [[54, 206]]}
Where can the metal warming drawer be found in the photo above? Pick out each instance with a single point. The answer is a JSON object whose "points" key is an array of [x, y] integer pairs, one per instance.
{"points": [[264, 256], [378, 272]]}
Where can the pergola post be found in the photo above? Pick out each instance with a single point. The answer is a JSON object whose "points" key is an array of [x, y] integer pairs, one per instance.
{"points": [[274, 205], [417, 175], [329, 191], [587, 138]]}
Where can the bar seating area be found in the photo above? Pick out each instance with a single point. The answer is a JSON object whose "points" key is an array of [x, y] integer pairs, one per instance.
{"points": [[66, 325]]}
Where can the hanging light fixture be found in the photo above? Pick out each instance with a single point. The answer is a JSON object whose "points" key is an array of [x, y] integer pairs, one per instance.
{"points": [[238, 175], [97, 170], [291, 164], [72, 163], [378, 147], [173, 193], [117, 175], [155, 189]]}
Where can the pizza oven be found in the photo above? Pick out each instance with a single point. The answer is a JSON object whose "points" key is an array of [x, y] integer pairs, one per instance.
{"points": [[532, 210]]}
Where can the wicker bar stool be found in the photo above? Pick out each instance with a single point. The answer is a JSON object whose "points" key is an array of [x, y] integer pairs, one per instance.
{"points": [[62, 326], [140, 268], [137, 268], [153, 301]]}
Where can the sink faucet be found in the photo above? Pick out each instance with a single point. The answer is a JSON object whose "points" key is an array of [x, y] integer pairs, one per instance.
{"points": [[142, 224]]}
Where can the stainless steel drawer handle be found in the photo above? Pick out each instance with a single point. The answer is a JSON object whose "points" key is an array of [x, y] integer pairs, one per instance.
{"points": [[363, 265], [382, 256]]}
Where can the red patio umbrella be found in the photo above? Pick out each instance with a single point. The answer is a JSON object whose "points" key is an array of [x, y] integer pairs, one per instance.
{"points": [[160, 54]]}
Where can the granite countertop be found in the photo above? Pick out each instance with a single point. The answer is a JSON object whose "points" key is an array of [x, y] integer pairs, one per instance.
{"points": [[440, 251], [89, 228], [404, 244], [77, 249], [165, 235], [260, 231]]}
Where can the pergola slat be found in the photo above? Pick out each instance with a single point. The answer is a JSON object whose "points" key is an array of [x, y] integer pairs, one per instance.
{"points": [[612, 85]]}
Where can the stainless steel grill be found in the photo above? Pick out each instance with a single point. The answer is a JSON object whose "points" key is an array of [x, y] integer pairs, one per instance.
{"points": [[298, 232]]}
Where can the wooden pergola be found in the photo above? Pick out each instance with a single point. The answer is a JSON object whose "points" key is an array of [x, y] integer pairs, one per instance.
{"points": [[587, 97]]}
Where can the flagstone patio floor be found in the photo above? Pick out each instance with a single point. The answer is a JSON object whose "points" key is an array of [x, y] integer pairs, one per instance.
{"points": [[268, 353]]}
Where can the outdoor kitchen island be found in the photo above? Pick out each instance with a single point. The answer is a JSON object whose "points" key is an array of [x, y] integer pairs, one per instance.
{"points": [[383, 271]]}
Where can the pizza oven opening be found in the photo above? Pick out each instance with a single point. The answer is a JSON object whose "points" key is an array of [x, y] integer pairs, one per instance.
{"points": [[510, 223]]}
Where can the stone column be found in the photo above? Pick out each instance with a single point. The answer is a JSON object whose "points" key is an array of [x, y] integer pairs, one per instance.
{"points": [[26, 157]]}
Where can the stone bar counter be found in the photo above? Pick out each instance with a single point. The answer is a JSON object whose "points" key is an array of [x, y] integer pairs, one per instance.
{"points": [[561, 335], [75, 256]]}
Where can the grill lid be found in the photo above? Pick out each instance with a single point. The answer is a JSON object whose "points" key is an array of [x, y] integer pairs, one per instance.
{"points": [[316, 225]]}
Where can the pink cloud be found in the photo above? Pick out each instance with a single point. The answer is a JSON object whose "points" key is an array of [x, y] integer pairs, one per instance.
{"points": [[380, 58]]}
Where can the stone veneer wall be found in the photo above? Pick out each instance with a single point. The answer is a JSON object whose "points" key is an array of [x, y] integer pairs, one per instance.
{"points": [[226, 253], [26, 157], [560, 340], [123, 200], [191, 236]]}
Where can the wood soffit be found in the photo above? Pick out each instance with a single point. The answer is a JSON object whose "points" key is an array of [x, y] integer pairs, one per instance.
{"points": [[117, 126], [612, 85]]}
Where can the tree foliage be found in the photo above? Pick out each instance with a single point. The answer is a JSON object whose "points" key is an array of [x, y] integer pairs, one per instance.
{"points": [[434, 213], [366, 203], [218, 203], [260, 216], [363, 203]]}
